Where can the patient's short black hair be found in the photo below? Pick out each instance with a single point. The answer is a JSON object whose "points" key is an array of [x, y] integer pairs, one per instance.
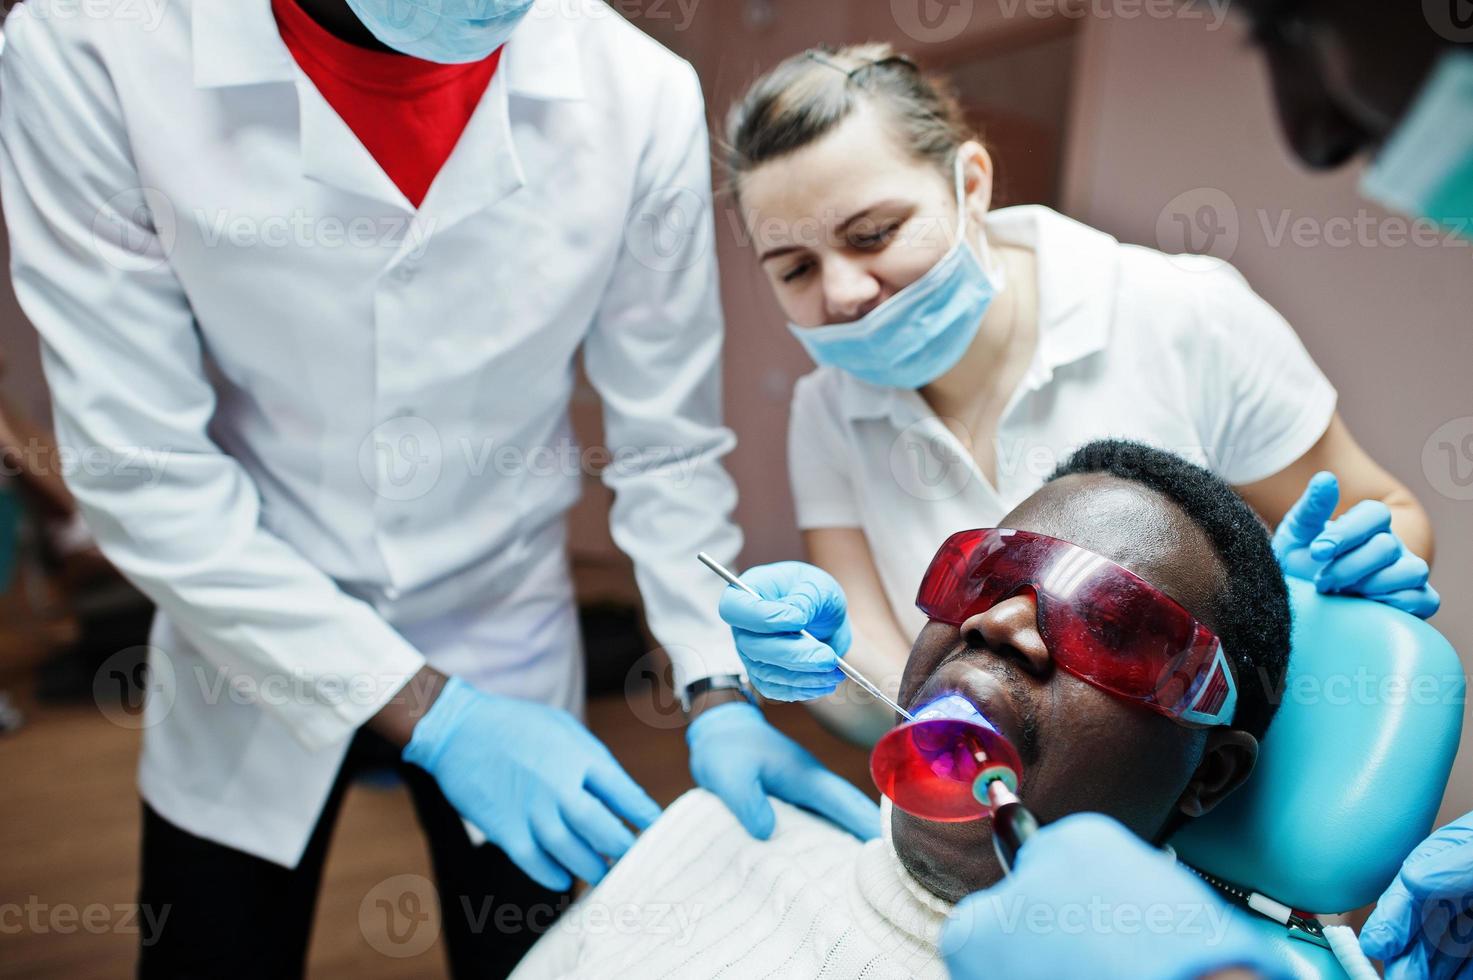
{"points": [[1252, 612]]}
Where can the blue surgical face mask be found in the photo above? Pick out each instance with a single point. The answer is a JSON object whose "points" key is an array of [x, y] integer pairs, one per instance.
{"points": [[921, 332], [450, 32], [1426, 169]]}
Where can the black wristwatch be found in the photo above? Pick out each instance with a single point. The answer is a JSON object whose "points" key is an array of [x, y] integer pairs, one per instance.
{"points": [[717, 682]]}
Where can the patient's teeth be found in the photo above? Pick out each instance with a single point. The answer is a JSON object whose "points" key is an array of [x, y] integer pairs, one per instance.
{"points": [[953, 705]]}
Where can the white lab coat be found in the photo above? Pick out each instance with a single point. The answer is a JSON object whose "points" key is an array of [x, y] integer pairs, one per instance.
{"points": [[327, 434]]}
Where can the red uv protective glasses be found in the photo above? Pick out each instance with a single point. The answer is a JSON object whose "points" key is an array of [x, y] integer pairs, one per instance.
{"points": [[1100, 621]]}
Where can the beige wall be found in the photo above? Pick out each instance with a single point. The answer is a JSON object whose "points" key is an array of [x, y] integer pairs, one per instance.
{"points": [[1166, 107]]}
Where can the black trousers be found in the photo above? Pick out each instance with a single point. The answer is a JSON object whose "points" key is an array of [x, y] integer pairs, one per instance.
{"points": [[228, 914]]}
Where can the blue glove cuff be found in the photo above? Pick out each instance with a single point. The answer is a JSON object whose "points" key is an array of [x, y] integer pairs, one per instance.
{"points": [[724, 716], [432, 732]]}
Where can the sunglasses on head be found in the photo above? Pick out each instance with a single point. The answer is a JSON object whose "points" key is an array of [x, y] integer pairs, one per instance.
{"points": [[1100, 621]]}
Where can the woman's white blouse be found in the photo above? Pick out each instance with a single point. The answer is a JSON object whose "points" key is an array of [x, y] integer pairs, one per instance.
{"points": [[1174, 351]]}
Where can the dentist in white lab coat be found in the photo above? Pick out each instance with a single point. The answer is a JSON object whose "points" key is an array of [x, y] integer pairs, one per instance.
{"points": [[359, 407]]}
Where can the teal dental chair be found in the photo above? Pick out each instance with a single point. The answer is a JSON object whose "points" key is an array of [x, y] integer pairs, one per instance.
{"points": [[1350, 774]]}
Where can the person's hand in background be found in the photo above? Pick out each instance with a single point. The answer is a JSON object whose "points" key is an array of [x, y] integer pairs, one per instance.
{"points": [[1356, 553]]}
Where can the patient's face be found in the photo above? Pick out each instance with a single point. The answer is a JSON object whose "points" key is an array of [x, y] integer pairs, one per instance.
{"points": [[1082, 749]]}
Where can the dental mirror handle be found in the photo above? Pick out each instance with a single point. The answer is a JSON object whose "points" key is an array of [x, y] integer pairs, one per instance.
{"points": [[1012, 823], [848, 671]]}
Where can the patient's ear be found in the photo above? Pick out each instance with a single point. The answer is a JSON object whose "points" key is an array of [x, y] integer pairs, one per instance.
{"points": [[1227, 761]]}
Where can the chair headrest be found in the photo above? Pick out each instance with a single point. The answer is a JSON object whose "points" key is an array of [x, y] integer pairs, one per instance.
{"points": [[1353, 766]]}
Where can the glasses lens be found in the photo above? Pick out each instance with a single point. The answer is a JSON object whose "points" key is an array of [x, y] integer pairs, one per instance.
{"points": [[958, 578], [1121, 635], [928, 768]]}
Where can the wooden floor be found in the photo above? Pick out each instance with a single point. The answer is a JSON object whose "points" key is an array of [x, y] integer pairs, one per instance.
{"points": [[69, 814]]}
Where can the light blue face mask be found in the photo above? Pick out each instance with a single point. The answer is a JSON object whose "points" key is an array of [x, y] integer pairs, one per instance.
{"points": [[921, 332], [450, 32], [1426, 169]]}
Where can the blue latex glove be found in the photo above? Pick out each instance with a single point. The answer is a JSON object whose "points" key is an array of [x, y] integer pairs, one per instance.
{"points": [[1423, 924], [782, 664], [1089, 898], [1357, 553], [736, 754], [533, 780]]}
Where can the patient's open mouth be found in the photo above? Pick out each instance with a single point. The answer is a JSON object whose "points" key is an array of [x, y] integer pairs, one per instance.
{"points": [[962, 689]]}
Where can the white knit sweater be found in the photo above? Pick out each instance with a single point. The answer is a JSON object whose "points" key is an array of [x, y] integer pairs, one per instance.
{"points": [[697, 897]]}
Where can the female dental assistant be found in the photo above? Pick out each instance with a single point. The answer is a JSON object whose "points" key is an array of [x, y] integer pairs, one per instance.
{"points": [[963, 353], [332, 264]]}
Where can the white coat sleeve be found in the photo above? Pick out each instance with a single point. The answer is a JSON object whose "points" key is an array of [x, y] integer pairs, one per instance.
{"points": [[654, 356], [126, 369]]}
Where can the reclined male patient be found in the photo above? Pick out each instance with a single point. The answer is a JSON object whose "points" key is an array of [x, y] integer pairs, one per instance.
{"points": [[699, 897]]}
